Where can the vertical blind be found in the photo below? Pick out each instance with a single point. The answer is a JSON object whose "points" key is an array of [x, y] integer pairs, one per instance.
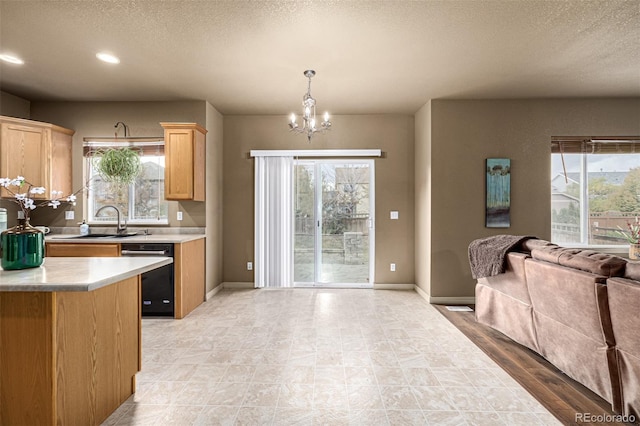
{"points": [[273, 222]]}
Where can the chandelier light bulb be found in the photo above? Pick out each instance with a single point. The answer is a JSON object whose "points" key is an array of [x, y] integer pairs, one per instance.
{"points": [[293, 118], [326, 116]]}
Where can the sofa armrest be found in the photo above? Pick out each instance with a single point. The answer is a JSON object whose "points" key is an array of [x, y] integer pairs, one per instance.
{"points": [[624, 307], [512, 282]]}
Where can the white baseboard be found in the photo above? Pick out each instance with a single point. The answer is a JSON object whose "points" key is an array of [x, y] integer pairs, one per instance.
{"points": [[445, 300], [237, 285], [213, 292], [452, 300], [421, 292], [393, 286]]}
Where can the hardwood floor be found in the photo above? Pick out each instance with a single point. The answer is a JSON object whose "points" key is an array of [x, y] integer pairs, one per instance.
{"points": [[558, 393]]}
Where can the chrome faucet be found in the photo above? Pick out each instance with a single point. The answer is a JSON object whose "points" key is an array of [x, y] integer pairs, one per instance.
{"points": [[121, 228]]}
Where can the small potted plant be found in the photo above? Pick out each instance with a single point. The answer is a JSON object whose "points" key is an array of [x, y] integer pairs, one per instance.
{"points": [[632, 235], [118, 165]]}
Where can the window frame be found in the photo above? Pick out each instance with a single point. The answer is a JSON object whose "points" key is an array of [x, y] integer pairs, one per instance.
{"points": [[584, 146], [115, 142]]}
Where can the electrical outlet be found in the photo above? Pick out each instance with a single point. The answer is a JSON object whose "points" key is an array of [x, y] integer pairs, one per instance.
{"points": [[179, 215], [69, 215], [249, 266], [394, 215], [393, 267]]}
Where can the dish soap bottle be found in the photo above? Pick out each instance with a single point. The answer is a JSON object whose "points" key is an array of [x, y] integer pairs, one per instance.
{"points": [[84, 228]]}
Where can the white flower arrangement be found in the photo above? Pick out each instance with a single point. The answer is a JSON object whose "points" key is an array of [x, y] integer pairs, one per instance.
{"points": [[24, 200]]}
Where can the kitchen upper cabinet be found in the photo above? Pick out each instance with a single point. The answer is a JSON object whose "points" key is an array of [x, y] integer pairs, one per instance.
{"points": [[41, 152], [184, 150]]}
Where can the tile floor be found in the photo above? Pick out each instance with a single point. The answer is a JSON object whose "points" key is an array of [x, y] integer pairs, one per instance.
{"points": [[319, 357]]}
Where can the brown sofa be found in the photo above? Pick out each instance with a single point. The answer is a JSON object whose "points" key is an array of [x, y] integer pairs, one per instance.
{"points": [[577, 308], [624, 306]]}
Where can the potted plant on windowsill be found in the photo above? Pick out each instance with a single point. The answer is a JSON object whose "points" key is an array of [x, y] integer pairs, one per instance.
{"points": [[632, 235]]}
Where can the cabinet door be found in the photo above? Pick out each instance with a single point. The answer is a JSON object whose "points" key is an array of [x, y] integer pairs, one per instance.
{"points": [[184, 173], [82, 250], [22, 153], [60, 163], [178, 145]]}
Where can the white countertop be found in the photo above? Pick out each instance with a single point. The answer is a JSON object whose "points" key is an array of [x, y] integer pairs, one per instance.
{"points": [[141, 238], [78, 273]]}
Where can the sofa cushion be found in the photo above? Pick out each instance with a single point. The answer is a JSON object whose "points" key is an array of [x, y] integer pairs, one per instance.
{"points": [[548, 253], [534, 243], [632, 271], [585, 260]]}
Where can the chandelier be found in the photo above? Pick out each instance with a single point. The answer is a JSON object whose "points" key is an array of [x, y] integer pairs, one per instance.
{"points": [[309, 123]]}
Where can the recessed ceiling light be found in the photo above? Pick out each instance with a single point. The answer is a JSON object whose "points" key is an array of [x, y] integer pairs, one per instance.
{"points": [[11, 59], [107, 57]]}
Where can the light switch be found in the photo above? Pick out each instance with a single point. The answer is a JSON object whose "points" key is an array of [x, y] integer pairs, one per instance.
{"points": [[394, 215], [179, 216], [69, 215], [249, 266]]}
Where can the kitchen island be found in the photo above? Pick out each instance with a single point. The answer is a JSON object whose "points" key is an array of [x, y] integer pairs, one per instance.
{"points": [[70, 339]]}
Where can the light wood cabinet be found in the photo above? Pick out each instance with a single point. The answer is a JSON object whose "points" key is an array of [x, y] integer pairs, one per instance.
{"points": [[68, 358], [184, 151], [82, 250], [188, 265], [41, 152], [189, 275]]}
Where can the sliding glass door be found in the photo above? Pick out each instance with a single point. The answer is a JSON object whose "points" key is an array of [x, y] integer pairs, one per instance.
{"points": [[334, 223]]}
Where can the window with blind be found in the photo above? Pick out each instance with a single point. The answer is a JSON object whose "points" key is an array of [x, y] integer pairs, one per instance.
{"points": [[595, 189], [142, 202]]}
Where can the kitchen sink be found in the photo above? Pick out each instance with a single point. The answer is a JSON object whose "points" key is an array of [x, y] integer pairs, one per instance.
{"points": [[125, 235], [128, 234]]}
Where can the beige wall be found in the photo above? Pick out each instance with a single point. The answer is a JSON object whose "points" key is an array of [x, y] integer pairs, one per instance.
{"points": [[463, 134], [98, 119], [214, 176], [423, 197], [393, 134], [14, 106]]}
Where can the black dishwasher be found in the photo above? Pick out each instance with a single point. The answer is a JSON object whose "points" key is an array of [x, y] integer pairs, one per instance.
{"points": [[157, 285]]}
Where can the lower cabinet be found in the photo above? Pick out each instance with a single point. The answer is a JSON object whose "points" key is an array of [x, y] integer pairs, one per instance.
{"points": [[68, 358], [188, 260], [82, 250]]}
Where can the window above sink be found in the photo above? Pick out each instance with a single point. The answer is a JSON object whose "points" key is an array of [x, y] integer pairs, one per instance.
{"points": [[142, 202]]}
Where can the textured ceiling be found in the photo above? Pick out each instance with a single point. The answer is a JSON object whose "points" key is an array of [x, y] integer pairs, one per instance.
{"points": [[370, 56]]}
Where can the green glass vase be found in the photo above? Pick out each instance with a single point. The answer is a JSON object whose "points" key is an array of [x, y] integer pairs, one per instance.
{"points": [[22, 246]]}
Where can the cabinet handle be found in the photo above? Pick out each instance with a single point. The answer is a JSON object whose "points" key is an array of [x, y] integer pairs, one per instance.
{"points": [[143, 252]]}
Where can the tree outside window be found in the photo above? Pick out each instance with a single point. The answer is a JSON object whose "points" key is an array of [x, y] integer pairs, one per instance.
{"points": [[610, 198]]}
